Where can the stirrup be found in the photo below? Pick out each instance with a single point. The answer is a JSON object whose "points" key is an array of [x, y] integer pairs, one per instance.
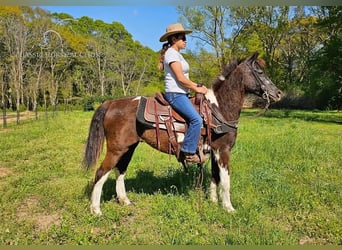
{"points": [[198, 157], [202, 157], [193, 158]]}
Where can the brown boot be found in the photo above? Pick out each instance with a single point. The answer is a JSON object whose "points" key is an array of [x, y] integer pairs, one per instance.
{"points": [[192, 158]]}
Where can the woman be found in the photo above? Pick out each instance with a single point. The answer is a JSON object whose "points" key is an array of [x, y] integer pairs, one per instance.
{"points": [[178, 86]]}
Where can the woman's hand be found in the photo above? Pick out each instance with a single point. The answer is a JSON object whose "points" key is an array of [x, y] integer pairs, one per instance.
{"points": [[201, 89]]}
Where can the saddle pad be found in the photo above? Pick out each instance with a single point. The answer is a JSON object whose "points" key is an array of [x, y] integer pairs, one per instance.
{"points": [[140, 113]]}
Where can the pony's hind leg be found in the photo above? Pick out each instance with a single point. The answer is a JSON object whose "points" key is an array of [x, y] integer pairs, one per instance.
{"points": [[101, 177], [120, 171], [96, 194], [121, 189], [118, 160]]}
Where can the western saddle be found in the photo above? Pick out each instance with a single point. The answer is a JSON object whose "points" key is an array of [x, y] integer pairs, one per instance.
{"points": [[156, 112]]}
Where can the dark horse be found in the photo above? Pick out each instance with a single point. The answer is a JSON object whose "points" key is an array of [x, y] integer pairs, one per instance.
{"points": [[116, 121]]}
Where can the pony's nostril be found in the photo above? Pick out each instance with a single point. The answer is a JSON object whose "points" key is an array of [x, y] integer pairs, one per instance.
{"points": [[279, 95]]}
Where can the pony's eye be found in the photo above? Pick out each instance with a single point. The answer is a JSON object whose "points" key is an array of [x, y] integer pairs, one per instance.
{"points": [[257, 68]]}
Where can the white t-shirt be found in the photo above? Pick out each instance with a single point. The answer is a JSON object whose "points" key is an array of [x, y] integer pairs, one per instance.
{"points": [[171, 84]]}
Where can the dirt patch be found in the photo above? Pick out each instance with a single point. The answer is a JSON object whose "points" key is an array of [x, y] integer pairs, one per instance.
{"points": [[46, 221], [306, 240], [4, 171], [41, 220]]}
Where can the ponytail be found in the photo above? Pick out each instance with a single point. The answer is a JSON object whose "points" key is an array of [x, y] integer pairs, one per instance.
{"points": [[161, 56]]}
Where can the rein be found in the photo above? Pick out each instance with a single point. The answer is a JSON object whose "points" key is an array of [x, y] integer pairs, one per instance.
{"points": [[264, 110]]}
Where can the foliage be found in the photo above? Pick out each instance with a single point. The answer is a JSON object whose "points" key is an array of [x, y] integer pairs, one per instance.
{"points": [[285, 186], [89, 103], [59, 57], [287, 38], [326, 71], [48, 59]]}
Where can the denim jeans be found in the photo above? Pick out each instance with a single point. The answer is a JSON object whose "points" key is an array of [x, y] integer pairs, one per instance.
{"points": [[181, 103]]}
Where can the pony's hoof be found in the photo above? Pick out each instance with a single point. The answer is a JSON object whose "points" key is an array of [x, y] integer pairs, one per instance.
{"points": [[229, 208], [123, 201], [95, 211]]}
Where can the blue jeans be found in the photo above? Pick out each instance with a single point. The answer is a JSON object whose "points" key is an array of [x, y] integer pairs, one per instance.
{"points": [[181, 103]]}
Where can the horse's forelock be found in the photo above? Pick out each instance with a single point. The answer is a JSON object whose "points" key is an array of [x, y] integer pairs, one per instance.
{"points": [[261, 62]]}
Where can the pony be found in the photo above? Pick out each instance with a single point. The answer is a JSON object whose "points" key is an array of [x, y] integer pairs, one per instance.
{"points": [[116, 121]]}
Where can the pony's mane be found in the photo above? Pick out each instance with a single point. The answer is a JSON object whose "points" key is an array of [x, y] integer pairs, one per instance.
{"points": [[226, 71]]}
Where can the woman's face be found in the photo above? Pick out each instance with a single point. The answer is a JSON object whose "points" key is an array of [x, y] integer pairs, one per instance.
{"points": [[179, 40]]}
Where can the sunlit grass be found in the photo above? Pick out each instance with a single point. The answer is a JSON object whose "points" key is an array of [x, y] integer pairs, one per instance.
{"points": [[286, 183]]}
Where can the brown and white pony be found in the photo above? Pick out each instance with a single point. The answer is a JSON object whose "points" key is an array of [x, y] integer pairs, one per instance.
{"points": [[115, 121]]}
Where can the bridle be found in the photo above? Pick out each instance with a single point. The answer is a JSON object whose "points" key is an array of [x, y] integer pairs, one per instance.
{"points": [[265, 95]]}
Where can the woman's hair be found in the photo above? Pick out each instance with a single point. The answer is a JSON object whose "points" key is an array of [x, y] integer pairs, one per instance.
{"points": [[165, 47], [161, 56]]}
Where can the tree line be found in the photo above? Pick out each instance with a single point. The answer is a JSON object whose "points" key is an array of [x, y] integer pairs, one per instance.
{"points": [[50, 60]]}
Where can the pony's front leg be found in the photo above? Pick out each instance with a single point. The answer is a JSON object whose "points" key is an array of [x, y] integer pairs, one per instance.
{"points": [[213, 191], [225, 189], [221, 179], [97, 191], [121, 189]]}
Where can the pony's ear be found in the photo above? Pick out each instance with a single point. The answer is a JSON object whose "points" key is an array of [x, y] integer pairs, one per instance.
{"points": [[254, 56]]}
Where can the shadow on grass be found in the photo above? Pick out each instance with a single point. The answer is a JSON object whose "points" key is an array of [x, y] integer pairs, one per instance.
{"points": [[175, 181]]}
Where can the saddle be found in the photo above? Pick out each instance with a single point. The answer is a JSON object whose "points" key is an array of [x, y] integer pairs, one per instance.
{"points": [[155, 112]]}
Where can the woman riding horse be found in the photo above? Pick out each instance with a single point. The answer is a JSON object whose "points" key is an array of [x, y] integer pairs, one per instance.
{"points": [[116, 121]]}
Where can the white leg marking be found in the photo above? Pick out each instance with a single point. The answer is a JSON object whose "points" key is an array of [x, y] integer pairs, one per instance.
{"points": [[224, 186], [96, 195], [120, 189], [225, 189], [213, 191]]}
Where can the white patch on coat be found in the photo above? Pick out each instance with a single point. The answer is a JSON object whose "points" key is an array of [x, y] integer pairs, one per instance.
{"points": [[224, 185], [96, 195], [213, 191], [211, 97], [225, 189], [136, 98], [180, 137], [120, 188], [206, 147]]}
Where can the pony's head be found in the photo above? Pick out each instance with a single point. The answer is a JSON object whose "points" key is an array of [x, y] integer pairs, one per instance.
{"points": [[257, 81], [254, 78]]}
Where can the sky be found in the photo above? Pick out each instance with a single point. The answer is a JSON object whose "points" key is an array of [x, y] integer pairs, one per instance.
{"points": [[145, 23]]}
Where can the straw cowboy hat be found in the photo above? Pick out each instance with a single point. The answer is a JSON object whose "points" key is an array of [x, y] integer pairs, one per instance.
{"points": [[174, 29]]}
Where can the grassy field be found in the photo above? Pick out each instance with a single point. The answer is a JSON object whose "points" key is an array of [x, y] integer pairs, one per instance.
{"points": [[286, 187]]}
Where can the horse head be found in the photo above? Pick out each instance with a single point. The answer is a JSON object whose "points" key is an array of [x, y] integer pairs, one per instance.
{"points": [[257, 82]]}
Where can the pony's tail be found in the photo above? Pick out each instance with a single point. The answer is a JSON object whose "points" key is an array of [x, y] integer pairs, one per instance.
{"points": [[96, 137]]}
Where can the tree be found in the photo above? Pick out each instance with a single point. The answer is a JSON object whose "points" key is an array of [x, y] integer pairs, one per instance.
{"points": [[209, 25], [15, 35], [325, 64], [35, 60], [129, 65]]}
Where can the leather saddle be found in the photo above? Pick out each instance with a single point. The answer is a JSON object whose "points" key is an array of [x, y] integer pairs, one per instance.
{"points": [[156, 112]]}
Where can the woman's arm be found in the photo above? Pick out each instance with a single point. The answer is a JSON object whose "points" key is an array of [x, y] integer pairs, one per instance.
{"points": [[176, 67]]}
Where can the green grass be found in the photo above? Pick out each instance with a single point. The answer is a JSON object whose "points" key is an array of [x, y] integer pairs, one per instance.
{"points": [[286, 187]]}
